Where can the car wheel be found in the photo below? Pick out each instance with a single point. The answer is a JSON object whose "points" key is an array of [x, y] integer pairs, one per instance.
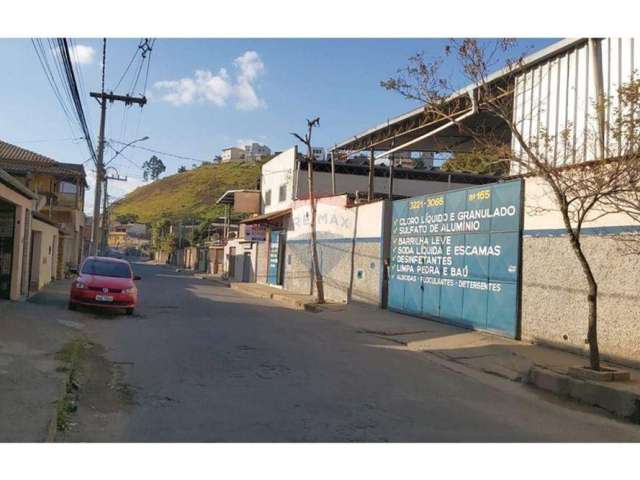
{"points": [[72, 306], [129, 311]]}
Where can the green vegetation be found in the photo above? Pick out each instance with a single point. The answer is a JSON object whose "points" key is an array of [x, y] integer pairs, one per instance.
{"points": [[162, 240], [71, 355], [189, 196], [483, 162]]}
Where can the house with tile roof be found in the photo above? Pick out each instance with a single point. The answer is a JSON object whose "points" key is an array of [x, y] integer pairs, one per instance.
{"points": [[60, 188]]}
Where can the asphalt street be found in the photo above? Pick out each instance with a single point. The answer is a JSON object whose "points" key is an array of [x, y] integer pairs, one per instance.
{"points": [[203, 363]]}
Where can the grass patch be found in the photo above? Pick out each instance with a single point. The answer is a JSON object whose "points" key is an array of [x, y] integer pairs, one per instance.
{"points": [[71, 355]]}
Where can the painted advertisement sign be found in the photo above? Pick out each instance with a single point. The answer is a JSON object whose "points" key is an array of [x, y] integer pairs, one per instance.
{"points": [[275, 258], [257, 232], [455, 256]]}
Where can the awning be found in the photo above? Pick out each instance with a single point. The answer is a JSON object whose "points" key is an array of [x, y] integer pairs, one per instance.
{"points": [[267, 217]]}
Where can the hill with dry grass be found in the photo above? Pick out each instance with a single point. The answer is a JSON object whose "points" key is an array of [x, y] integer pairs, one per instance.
{"points": [[189, 195]]}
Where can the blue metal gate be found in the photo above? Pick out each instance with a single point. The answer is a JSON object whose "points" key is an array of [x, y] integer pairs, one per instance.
{"points": [[455, 256]]}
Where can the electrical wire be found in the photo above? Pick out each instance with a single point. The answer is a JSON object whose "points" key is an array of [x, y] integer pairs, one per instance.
{"points": [[83, 90], [46, 67], [159, 152], [67, 67]]}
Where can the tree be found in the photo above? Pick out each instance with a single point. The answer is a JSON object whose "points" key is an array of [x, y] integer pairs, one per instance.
{"points": [[153, 168], [482, 162], [579, 190], [182, 169], [306, 140], [162, 239], [125, 218]]}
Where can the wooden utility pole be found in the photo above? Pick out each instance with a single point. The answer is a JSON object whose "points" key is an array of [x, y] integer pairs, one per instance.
{"points": [[306, 140], [102, 98]]}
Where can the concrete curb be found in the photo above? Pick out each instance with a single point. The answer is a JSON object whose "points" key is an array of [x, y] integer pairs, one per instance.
{"points": [[282, 298], [217, 281], [614, 398]]}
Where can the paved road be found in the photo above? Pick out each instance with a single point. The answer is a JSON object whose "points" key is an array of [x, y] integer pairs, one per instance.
{"points": [[205, 363]]}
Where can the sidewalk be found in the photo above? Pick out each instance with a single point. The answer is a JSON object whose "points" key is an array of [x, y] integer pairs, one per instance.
{"points": [[296, 301], [31, 333], [543, 367]]}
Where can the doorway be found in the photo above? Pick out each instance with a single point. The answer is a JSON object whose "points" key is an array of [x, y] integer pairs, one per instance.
{"points": [[247, 268]]}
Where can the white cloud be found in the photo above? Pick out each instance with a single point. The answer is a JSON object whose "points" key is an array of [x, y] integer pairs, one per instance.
{"points": [[218, 89], [82, 54]]}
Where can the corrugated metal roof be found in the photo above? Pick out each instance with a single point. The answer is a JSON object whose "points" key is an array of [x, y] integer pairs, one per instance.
{"points": [[527, 62]]}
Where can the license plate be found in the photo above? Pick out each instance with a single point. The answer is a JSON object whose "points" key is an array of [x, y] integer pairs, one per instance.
{"points": [[104, 298]]}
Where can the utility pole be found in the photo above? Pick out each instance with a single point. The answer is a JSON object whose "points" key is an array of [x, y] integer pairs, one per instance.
{"points": [[102, 98], [306, 140], [105, 211]]}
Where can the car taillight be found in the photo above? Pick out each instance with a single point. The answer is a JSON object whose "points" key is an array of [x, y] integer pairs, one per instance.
{"points": [[79, 285]]}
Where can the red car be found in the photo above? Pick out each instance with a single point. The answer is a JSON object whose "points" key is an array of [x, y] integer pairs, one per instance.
{"points": [[105, 282]]}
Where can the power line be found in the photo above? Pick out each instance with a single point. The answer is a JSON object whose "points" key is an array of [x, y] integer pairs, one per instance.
{"points": [[135, 54], [46, 68], [67, 65], [83, 90], [180, 157]]}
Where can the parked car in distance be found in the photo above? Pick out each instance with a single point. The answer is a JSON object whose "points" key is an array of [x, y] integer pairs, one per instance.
{"points": [[104, 282]]}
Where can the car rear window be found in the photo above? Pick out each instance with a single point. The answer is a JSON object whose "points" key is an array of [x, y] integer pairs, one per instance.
{"points": [[106, 269]]}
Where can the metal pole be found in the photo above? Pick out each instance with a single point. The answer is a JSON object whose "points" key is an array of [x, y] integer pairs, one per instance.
{"points": [[333, 172], [391, 166], [371, 175], [595, 50]]}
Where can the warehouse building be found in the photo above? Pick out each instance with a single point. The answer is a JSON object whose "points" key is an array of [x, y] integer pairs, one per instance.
{"points": [[555, 91]]}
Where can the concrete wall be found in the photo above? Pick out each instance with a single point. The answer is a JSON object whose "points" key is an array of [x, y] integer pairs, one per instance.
{"points": [[185, 258], [554, 291], [241, 247], [246, 202], [278, 171], [262, 261], [350, 250], [44, 258]]}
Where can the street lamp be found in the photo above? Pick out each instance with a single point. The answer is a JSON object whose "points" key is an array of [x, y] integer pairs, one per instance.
{"points": [[118, 152]]}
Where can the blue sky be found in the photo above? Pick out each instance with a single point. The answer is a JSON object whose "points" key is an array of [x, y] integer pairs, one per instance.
{"points": [[206, 94]]}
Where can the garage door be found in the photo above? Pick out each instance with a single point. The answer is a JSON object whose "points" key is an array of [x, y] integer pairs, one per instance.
{"points": [[455, 257]]}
